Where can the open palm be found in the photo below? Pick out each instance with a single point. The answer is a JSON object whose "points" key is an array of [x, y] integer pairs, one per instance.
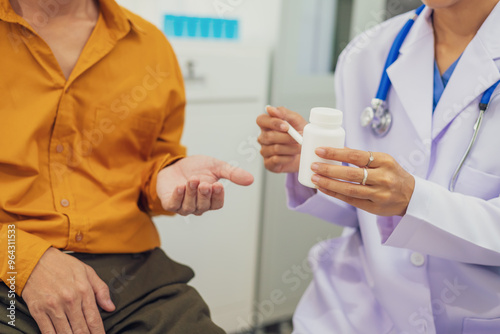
{"points": [[190, 186]]}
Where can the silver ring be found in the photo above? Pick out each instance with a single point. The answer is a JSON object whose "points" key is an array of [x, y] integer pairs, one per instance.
{"points": [[365, 177], [370, 160]]}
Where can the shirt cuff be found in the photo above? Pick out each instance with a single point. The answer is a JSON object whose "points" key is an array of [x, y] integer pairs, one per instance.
{"points": [[153, 201], [28, 249]]}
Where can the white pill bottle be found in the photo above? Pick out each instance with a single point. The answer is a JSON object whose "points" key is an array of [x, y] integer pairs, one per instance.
{"points": [[325, 130]]}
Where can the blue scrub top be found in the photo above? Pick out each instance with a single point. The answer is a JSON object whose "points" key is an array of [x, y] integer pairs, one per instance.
{"points": [[440, 82]]}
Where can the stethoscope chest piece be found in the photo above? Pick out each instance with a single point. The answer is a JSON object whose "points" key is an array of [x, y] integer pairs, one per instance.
{"points": [[378, 117]]}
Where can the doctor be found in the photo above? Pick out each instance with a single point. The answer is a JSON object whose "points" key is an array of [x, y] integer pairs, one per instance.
{"points": [[415, 257]]}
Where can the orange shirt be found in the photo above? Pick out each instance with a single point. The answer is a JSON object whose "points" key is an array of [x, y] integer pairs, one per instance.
{"points": [[79, 157]]}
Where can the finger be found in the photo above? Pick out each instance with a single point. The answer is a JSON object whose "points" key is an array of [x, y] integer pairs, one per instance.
{"points": [[101, 290], [362, 204], [275, 137], [350, 174], [92, 316], [282, 164], [174, 203], [60, 321], [279, 149], [217, 200], [189, 203], [343, 188], [203, 201], [295, 119], [234, 174], [355, 157], [43, 321], [266, 122], [75, 316]]}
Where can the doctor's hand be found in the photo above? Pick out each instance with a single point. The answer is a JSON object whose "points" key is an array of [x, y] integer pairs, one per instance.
{"points": [[190, 185], [280, 151], [388, 188]]}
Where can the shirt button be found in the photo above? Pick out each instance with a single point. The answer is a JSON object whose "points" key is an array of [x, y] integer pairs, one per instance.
{"points": [[59, 148], [65, 203], [79, 237], [417, 259]]}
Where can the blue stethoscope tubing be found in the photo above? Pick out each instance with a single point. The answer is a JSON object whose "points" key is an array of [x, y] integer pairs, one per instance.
{"points": [[379, 117]]}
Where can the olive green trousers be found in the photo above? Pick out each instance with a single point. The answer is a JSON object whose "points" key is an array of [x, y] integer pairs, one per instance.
{"points": [[150, 293]]}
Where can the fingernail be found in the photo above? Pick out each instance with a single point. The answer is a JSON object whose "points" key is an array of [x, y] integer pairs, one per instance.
{"points": [[284, 127], [193, 185], [315, 178], [218, 190], [320, 151], [204, 191], [314, 167], [180, 191], [268, 106]]}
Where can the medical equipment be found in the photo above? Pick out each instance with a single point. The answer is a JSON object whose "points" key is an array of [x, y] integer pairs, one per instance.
{"points": [[379, 116], [483, 106]]}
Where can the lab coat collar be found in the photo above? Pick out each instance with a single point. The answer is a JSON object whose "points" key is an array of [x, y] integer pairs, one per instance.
{"points": [[476, 71], [411, 74]]}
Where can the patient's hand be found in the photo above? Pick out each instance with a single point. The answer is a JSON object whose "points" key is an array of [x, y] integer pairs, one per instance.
{"points": [[190, 186], [62, 294]]}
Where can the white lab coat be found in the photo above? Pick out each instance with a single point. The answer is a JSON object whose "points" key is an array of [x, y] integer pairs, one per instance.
{"points": [[436, 270]]}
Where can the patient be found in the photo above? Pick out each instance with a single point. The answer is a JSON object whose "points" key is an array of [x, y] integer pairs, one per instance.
{"points": [[92, 115]]}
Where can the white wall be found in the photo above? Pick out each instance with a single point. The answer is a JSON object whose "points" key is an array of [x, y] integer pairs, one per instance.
{"points": [[259, 19]]}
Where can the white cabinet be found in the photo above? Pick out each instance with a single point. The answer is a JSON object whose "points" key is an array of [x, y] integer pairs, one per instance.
{"points": [[226, 90]]}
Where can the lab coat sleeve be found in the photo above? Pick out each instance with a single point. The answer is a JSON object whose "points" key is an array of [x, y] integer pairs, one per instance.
{"points": [[449, 225], [306, 200]]}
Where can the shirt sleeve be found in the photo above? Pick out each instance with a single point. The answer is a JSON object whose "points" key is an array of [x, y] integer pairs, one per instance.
{"points": [[24, 253], [449, 225], [168, 148]]}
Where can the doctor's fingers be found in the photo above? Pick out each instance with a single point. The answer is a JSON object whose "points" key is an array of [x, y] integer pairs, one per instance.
{"points": [[269, 137], [355, 157], [353, 174], [282, 163], [266, 122], [351, 190], [292, 117], [279, 149]]}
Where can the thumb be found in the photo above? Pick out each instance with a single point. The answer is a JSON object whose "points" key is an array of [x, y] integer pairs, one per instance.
{"points": [[101, 291], [234, 174]]}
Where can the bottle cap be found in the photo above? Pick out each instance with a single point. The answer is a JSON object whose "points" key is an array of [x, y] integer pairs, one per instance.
{"points": [[326, 116]]}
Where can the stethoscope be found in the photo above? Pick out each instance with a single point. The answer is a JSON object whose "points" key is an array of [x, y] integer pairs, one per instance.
{"points": [[378, 116]]}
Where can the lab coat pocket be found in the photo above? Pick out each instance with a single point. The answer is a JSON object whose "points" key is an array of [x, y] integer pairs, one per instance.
{"points": [[477, 183], [483, 326], [122, 147]]}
